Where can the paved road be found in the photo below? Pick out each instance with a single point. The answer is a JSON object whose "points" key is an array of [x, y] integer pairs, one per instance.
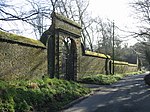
{"points": [[128, 95]]}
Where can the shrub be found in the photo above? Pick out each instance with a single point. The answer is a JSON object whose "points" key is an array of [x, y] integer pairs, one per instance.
{"points": [[105, 79], [38, 95], [100, 79]]}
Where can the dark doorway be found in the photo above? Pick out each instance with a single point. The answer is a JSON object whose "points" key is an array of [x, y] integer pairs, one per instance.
{"points": [[69, 59]]}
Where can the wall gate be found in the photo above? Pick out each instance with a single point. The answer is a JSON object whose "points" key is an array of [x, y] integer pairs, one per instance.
{"points": [[63, 44]]}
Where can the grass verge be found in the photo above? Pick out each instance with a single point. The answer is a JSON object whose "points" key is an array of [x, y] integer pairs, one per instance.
{"points": [[102, 79], [47, 95]]}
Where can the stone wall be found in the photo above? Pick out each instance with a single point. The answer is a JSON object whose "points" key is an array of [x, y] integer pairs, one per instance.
{"points": [[125, 67], [21, 58], [92, 63]]}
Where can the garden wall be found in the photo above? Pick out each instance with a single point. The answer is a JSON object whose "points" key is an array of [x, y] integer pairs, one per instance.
{"points": [[67, 58], [21, 57], [60, 55], [92, 63], [124, 67]]}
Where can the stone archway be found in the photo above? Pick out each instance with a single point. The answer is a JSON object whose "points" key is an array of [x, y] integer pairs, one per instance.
{"points": [[62, 40]]}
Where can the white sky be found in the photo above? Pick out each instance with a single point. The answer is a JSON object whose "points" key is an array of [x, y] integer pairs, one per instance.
{"points": [[113, 9], [117, 10]]}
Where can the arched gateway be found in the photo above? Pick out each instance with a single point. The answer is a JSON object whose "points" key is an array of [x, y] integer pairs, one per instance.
{"points": [[63, 43]]}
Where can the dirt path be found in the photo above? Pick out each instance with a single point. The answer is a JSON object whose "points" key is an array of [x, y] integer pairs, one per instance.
{"points": [[128, 95]]}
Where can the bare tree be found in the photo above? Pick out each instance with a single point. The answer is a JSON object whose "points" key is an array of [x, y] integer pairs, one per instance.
{"points": [[104, 31], [77, 11], [142, 11], [34, 14], [42, 20], [16, 17]]}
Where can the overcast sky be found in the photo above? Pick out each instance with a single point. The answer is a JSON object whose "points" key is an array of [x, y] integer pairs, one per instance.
{"points": [[117, 10]]}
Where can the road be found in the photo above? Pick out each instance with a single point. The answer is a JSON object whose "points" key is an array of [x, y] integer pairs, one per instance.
{"points": [[128, 95]]}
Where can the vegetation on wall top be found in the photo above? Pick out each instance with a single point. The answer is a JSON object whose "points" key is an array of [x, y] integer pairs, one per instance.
{"points": [[20, 39], [97, 54], [90, 53], [120, 62], [133, 65], [124, 63]]}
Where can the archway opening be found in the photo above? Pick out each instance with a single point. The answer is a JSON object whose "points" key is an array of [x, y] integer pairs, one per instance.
{"points": [[69, 59]]}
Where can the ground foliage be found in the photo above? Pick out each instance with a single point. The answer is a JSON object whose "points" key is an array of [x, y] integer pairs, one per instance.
{"points": [[47, 95], [105, 79]]}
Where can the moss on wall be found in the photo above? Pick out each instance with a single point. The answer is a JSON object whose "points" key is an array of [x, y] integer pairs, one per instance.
{"points": [[120, 63], [63, 24], [100, 55], [20, 39], [21, 61]]}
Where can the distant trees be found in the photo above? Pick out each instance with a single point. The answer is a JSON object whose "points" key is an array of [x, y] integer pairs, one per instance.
{"points": [[143, 53], [103, 30], [142, 12]]}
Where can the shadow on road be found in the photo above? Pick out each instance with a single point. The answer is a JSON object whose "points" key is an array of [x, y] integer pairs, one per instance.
{"points": [[132, 95], [128, 95]]}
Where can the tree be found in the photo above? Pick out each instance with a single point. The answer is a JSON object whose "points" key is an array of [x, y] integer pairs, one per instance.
{"points": [[14, 16], [77, 11], [33, 15], [142, 11], [38, 12], [143, 52], [42, 20], [129, 54], [104, 32]]}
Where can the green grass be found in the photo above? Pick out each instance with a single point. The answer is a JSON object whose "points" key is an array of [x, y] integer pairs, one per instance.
{"points": [[47, 95], [102, 79]]}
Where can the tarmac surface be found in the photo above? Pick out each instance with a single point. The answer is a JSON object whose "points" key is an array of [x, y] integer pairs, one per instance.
{"points": [[130, 94]]}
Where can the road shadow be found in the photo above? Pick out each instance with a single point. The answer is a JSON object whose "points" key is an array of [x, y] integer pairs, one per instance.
{"points": [[132, 95], [128, 95]]}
